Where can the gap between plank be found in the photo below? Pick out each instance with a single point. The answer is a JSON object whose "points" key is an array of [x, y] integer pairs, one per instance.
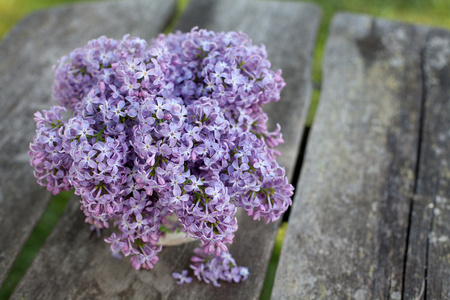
{"points": [[298, 167], [315, 72], [181, 7], [273, 263]]}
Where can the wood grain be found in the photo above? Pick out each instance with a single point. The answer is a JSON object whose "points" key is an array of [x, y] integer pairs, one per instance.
{"points": [[347, 232], [428, 259], [71, 265]]}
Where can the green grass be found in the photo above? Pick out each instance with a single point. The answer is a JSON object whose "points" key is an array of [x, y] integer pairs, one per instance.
{"points": [[428, 12], [270, 276]]}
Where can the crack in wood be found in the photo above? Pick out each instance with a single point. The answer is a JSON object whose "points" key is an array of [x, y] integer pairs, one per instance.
{"points": [[419, 152], [414, 195]]}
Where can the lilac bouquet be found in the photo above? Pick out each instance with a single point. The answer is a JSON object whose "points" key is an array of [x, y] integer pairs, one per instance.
{"points": [[171, 129]]}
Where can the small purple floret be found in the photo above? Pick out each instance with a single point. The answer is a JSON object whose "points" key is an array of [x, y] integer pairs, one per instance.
{"points": [[182, 277], [214, 268]]}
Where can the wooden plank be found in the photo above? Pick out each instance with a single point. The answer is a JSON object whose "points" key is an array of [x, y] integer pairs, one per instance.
{"points": [[28, 54], [70, 264], [346, 236], [428, 258]]}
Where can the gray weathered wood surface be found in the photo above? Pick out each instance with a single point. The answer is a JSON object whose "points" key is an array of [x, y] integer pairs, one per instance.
{"points": [[27, 55], [428, 258], [372, 210], [347, 232], [74, 265]]}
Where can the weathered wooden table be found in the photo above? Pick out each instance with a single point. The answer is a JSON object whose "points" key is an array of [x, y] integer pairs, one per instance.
{"points": [[371, 215]]}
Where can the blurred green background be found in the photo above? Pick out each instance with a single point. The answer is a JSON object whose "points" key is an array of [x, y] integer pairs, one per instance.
{"points": [[427, 12], [431, 12]]}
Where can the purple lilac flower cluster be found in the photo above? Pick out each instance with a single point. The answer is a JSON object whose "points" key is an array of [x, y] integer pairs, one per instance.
{"points": [[174, 128], [212, 268]]}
